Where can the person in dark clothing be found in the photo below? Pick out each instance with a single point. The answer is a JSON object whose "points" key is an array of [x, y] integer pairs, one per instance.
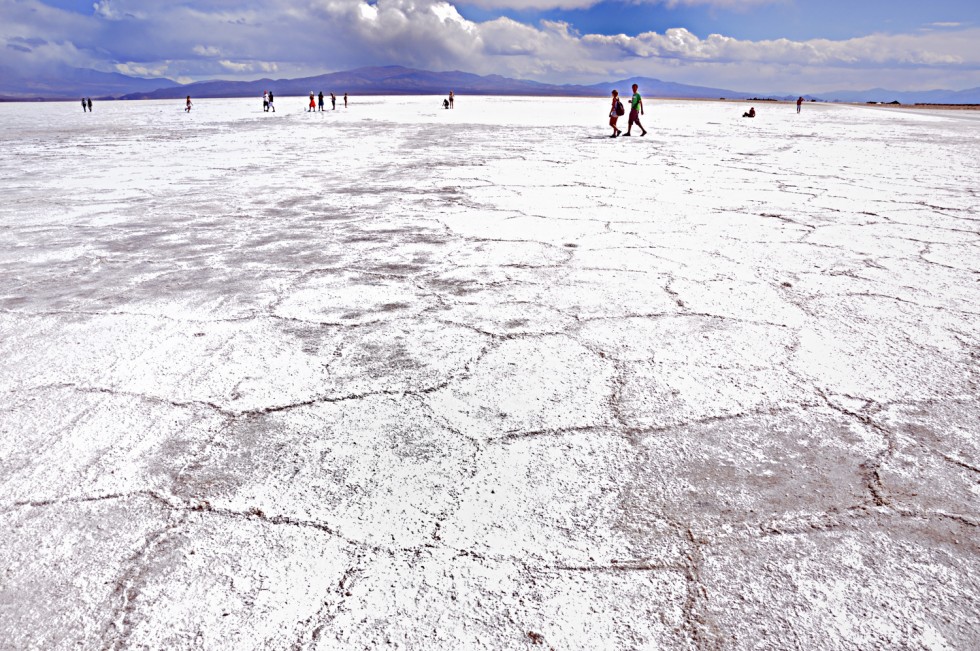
{"points": [[84, 105], [750, 113], [333, 101], [89, 104], [320, 98]]}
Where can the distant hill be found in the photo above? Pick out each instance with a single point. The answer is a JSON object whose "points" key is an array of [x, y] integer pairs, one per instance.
{"points": [[398, 80], [387, 80], [69, 83], [969, 96], [656, 87]]}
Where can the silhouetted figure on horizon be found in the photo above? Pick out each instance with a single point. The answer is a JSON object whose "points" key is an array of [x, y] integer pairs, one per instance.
{"points": [[320, 99], [84, 106], [799, 103], [333, 101], [89, 104], [750, 113], [345, 100]]}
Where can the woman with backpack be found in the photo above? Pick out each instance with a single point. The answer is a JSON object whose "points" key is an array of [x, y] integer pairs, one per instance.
{"points": [[617, 110]]}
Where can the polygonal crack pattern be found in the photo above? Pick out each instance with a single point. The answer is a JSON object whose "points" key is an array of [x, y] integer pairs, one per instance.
{"points": [[477, 389]]}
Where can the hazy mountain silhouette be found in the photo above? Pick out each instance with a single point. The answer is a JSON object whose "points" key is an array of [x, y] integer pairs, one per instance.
{"points": [[398, 80], [69, 83], [968, 96]]}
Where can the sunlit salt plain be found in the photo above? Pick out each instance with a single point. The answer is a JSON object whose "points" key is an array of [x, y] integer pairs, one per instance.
{"points": [[401, 377]]}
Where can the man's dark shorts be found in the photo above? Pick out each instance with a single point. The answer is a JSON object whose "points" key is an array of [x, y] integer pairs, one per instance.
{"points": [[634, 116]]}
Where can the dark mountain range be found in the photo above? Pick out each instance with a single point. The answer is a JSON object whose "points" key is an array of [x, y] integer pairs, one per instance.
{"points": [[388, 80], [651, 86], [69, 83], [396, 80]]}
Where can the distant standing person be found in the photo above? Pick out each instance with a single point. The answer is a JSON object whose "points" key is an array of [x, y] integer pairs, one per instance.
{"points": [[89, 104], [265, 101], [452, 98], [333, 101], [84, 105], [615, 112], [636, 110], [312, 103], [345, 100], [271, 105], [319, 99], [799, 104], [187, 108]]}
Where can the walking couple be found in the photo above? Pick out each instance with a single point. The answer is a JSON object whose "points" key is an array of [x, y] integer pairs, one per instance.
{"points": [[636, 110]]}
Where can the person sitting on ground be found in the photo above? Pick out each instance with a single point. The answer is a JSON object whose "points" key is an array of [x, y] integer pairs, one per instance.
{"points": [[750, 113], [445, 104]]}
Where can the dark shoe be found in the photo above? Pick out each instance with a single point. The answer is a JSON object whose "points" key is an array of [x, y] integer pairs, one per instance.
{"points": [[626, 134], [644, 133], [613, 135]]}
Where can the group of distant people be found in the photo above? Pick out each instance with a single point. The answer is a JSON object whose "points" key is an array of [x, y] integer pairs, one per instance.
{"points": [[617, 110], [87, 104], [636, 110], [318, 101], [751, 112]]}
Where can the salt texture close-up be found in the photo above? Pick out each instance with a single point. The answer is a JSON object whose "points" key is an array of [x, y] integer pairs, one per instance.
{"points": [[393, 376]]}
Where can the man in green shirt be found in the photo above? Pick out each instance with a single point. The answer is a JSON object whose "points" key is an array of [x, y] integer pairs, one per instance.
{"points": [[636, 110]]}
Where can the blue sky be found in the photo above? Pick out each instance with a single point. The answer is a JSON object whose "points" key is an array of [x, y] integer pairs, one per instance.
{"points": [[753, 45], [801, 20]]}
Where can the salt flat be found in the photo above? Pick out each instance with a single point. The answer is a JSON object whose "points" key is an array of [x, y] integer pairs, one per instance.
{"points": [[401, 377]]}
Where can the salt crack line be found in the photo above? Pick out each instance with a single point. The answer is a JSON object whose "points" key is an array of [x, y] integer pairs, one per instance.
{"points": [[234, 414], [871, 467], [144, 315]]}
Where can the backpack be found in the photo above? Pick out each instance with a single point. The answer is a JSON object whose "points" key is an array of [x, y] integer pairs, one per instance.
{"points": [[619, 108]]}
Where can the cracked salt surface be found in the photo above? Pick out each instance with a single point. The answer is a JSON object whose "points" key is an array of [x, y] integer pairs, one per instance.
{"points": [[409, 378]]}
